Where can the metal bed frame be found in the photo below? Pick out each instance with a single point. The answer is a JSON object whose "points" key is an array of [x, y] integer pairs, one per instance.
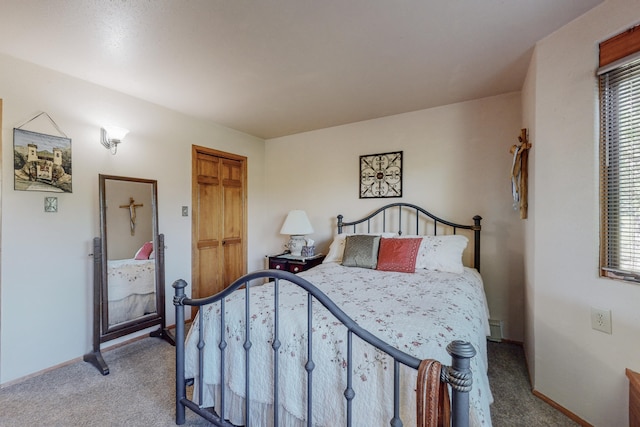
{"points": [[458, 375]]}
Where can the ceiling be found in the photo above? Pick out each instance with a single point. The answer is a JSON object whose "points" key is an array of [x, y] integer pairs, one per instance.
{"points": [[277, 67]]}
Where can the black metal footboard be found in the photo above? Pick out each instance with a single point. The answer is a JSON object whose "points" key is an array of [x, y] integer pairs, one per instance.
{"points": [[458, 375]]}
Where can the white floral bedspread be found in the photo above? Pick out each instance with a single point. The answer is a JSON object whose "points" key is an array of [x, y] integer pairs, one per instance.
{"points": [[130, 277], [419, 313]]}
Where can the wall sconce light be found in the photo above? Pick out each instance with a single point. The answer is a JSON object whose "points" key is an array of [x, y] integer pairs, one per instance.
{"points": [[111, 136], [296, 225]]}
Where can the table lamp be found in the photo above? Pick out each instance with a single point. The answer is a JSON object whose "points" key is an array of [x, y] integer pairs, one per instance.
{"points": [[296, 225]]}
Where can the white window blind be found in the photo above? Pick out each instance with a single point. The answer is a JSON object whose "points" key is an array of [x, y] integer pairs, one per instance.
{"points": [[620, 171]]}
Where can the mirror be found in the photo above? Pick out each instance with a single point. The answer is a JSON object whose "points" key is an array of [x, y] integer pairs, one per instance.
{"points": [[128, 263], [129, 237]]}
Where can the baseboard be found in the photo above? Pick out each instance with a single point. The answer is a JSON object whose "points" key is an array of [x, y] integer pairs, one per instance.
{"points": [[37, 374], [508, 341], [187, 323], [561, 408], [68, 362]]}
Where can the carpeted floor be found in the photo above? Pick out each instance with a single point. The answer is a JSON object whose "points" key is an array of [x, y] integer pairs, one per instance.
{"points": [[139, 392], [514, 405]]}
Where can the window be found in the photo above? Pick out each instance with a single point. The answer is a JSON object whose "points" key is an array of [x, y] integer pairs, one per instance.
{"points": [[620, 156]]}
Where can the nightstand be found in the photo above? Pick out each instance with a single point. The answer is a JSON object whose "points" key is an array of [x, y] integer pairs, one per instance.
{"points": [[294, 264]]}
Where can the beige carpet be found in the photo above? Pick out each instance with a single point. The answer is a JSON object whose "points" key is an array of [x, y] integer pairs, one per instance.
{"points": [[139, 391]]}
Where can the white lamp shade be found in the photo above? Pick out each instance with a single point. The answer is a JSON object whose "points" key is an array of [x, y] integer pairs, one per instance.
{"points": [[297, 223]]}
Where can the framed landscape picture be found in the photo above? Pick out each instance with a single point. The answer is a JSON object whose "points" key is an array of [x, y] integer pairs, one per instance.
{"points": [[41, 162], [381, 175]]}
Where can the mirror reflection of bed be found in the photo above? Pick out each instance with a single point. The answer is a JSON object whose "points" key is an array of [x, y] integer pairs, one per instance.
{"points": [[131, 289], [130, 255]]}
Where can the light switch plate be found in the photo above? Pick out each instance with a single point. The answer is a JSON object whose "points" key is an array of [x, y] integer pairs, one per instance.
{"points": [[185, 211]]}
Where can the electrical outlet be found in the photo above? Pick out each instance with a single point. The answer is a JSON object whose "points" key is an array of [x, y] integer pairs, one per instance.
{"points": [[601, 320], [185, 211]]}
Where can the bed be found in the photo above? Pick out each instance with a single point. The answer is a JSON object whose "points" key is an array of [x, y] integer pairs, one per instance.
{"points": [[132, 291], [348, 340]]}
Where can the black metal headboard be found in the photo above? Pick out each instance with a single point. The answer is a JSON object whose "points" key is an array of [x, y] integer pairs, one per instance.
{"points": [[421, 217]]}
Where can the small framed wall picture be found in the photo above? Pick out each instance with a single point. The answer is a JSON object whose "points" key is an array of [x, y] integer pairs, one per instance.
{"points": [[381, 175], [51, 204], [41, 162]]}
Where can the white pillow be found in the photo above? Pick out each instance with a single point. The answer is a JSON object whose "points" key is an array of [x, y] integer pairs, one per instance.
{"points": [[442, 253], [336, 250]]}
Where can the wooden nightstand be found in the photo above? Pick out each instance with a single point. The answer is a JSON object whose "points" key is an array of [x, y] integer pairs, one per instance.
{"points": [[293, 264]]}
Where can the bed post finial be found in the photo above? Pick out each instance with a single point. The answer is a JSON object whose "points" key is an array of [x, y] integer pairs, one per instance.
{"points": [[340, 217], [476, 249], [460, 377], [179, 296]]}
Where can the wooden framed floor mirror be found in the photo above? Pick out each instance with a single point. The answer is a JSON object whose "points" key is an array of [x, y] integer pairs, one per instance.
{"points": [[128, 265]]}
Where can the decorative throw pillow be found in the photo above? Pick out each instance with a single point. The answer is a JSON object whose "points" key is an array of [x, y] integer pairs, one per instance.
{"points": [[144, 251], [442, 253], [398, 254], [336, 250], [361, 251]]}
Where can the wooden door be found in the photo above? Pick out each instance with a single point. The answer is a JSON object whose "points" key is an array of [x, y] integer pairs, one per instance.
{"points": [[219, 220]]}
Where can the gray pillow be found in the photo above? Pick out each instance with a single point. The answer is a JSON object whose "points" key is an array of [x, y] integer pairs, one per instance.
{"points": [[361, 251]]}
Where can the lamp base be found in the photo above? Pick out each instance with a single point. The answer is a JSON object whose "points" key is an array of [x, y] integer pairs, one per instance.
{"points": [[295, 245]]}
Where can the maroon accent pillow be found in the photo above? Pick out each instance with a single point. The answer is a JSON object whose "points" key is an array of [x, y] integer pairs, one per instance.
{"points": [[398, 254], [144, 251]]}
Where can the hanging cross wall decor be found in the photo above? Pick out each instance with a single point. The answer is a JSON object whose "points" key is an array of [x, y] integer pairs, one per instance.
{"points": [[132, 213]]}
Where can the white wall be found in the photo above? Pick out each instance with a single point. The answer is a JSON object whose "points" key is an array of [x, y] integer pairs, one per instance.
{"points": [[456, 163], [46, 281], [576, 366], [529, 122]]}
